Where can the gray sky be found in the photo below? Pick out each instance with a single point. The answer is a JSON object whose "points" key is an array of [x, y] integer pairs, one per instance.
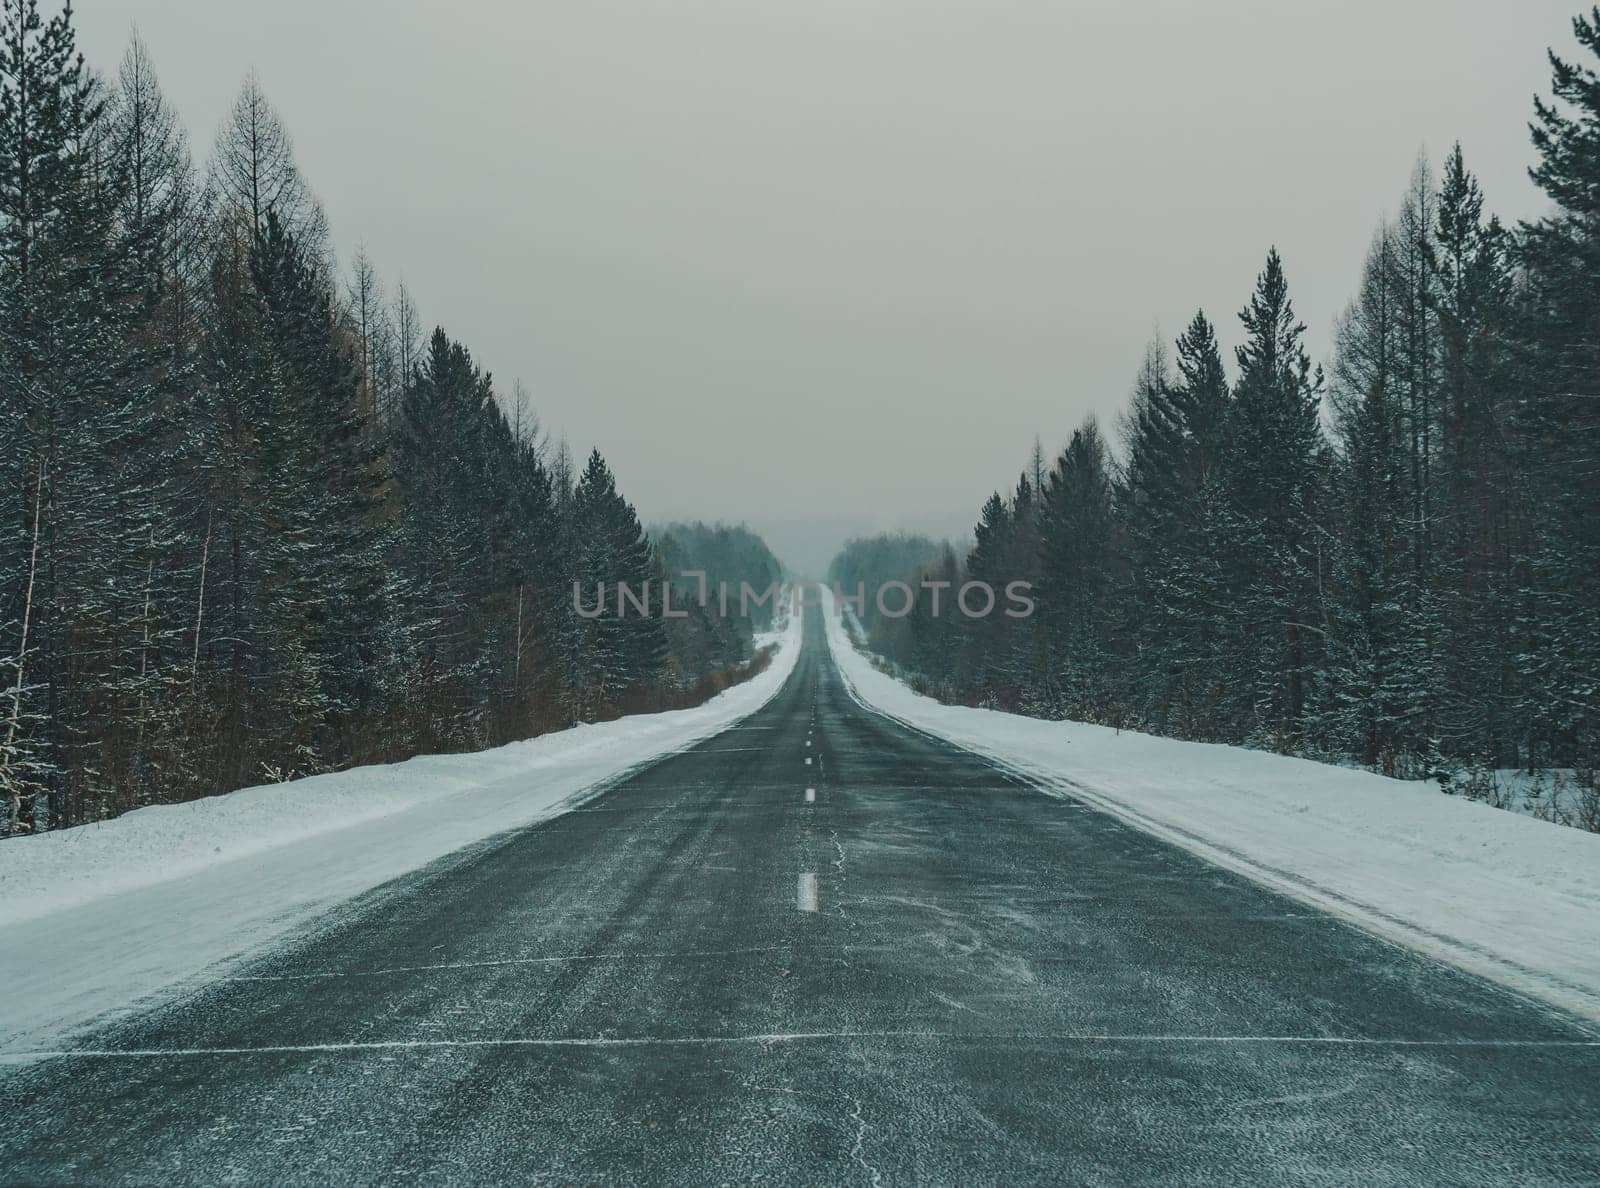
{"points": [[828, 267]]}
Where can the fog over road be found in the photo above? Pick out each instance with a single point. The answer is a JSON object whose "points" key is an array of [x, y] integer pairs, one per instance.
{"points": [[821, 948]]}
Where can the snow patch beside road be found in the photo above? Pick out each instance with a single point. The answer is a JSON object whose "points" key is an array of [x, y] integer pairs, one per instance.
{"points": [[97, 918], [1501, 895]]}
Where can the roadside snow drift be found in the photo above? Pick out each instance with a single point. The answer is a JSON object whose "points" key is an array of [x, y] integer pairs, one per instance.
{"points": [[98, 918], [1502, 895]]}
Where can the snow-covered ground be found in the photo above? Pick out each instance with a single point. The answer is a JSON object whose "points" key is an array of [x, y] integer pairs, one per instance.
{"points": [[98, 918], [1557, 794], [1503, 895]]}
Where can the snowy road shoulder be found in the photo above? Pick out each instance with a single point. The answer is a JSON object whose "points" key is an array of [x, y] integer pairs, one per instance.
{"points": [[98, 918], [1502, 895]]}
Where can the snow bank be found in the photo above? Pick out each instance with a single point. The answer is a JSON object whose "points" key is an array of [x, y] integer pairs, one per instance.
{"points": [[1502, 895], [96, 918]]}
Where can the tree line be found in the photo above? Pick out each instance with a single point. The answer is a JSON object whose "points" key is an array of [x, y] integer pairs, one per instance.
{"points": [[258, 523], [1395, 562]]}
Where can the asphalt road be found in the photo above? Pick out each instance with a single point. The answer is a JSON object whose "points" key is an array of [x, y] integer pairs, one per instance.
{"points": [[822, 948]]}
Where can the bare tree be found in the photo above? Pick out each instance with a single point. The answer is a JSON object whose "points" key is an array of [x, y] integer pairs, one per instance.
{"points": [[254, 172], [365, 295], [407, 333], [11, 779], [165, 205]]}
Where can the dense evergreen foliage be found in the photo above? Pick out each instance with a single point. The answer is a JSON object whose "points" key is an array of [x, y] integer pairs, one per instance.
{"points": [[872, 561], [716, 616], [256, 526], [1397, 564]]}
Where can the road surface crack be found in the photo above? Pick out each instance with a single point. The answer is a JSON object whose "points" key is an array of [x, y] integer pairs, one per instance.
{"points": [[840, 877], [858, 1150]]}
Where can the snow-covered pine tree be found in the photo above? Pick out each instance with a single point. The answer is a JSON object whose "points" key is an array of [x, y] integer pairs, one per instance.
{"points": [[444, 531], [988, 637], [1372, 694], [34, 59], [1075, 615], [1559, 413], [1020, 662], [1173, 436], [622, 650], [1273, 618], [536, 594], [164, 215], [1484, 525], [934, 634], [1189, 586], [328, 477], [1149, 508], [78, 383]]}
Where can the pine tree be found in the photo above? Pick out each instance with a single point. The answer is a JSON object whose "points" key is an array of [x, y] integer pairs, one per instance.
{"points": [[1274, 557], [163, 213], [1485, 522], [80, 409], [324, 452], [1076, 581], [623, 648], [1559, 412], [1377, 684], [534, 578], [444, 533], [1413, 263], [934, 627], [1174, 437], [990, 562], [1148, 506], [1021, 657]]}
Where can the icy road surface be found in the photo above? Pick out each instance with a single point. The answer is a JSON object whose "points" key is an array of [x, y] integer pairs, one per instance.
{"points": [[820, 947]]}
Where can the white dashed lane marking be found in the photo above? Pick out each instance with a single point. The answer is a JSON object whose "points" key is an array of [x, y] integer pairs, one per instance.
{"points": [[805, 896]]}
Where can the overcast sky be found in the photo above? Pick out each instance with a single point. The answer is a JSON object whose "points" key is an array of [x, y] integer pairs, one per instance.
{"points": [[829, 267]]}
